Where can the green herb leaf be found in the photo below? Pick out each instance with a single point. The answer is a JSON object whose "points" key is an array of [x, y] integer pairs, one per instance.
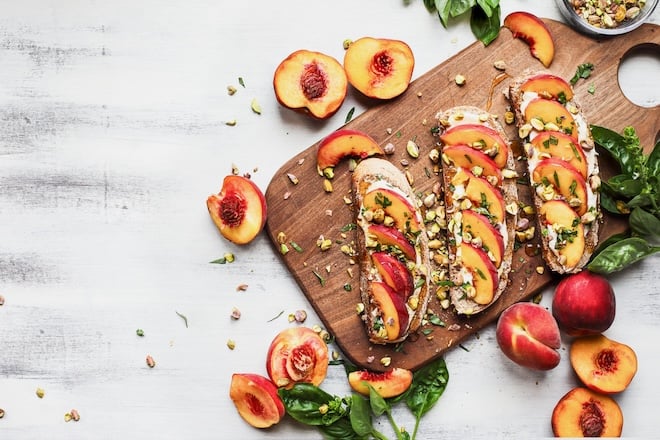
{"points": [[302, 403], [185, 320], [485, 22], [349, 116], [583, 71], [643, 223], [276, 316], [621, 254], [360, 416], [429, 382]]}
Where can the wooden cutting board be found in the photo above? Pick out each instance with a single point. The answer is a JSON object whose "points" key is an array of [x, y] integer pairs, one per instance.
{"points": [[303, 212]]}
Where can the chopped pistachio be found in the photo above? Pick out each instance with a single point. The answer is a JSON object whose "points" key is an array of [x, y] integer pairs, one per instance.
{"points": [[40, 393], [231, 122], [231, 90], [231, 344], [459, 80], [346, 43]]}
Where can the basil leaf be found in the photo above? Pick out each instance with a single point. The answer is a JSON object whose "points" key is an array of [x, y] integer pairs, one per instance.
{"points": [[619, 148], [443, 8], [302, 403], [378, 404], [653, 162], [460, 7], [340, 430], [624, 185], [610, 241], [608, 203], [644, 223], [641, 200], [485, 26], [430, 5], [429, 382], [360, 416], [621, 254]]}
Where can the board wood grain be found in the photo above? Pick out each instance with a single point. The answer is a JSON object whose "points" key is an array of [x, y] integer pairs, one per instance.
{"points": [[303, 212]]}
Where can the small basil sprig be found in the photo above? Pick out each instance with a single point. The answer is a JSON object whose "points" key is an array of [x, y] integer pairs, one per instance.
{"points": [[636, 193], [484, 15]]}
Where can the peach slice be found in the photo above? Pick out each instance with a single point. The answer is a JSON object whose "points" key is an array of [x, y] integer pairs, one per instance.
{"points": [[561, 146], [392, 240], [392, 307], [571, 238], [310, 82], [478, 225], [602, 364], [297, 355], [256, 399], [394, 273], [344, 143], [585, 413], [394, 205], [551, 112], [533, 31], [468, 158], [549, 86], [239, 210], [378, 67], [479, 137], [565, 179], [483, 271], [485, 196], [388, 384], [528, 335]]}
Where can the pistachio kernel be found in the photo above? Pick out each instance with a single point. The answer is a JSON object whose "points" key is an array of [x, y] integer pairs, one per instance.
{"points": [[459, 80], [40, 393], [231, 90], [347, 43], [231, 344]]}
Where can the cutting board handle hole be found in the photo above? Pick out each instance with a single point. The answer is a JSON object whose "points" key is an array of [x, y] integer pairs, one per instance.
{"points": [[638, 75]]}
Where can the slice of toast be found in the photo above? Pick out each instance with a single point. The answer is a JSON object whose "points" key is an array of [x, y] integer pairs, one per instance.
{"points": [[478, 174], [563, 168], [392, 246]]}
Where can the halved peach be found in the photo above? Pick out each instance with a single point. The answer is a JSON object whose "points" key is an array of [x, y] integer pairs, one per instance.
{"points": [[479, 226], [549, 86], [561, 146], [468, 158], [565, 179], [378, 67], [297, 355], [533, 31], [388, 384], [394, 205], [571, 242], [584, 413], [394, 273], [603, 364], [389, 237], [392, 307], [485, 196], [256, 399], [239, 210], [344, 143], [310, 82], [549, 111], [479, 137], [484, 273]]}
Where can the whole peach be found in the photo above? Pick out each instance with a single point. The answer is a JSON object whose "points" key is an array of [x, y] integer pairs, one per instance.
{"points": [[528, 335], [584, 304]]}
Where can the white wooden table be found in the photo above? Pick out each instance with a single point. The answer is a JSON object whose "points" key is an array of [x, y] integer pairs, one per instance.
{"points": [[112, 135]]}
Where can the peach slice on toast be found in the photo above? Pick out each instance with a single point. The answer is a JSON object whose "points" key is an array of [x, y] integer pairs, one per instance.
{"points": [[479, 137]]}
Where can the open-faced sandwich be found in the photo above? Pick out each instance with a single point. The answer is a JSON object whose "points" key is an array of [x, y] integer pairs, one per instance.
{"points": [[563, 168], [478, 172], [393, 251]]}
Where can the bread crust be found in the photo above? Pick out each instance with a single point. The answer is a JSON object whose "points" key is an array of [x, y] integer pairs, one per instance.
{"points": [[551, 258], [380, 172], [463, 303]]}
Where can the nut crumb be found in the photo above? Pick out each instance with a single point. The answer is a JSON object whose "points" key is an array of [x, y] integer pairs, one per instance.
{"points": [[235, 314], [231, 344], [2, 300], [459, 80], [150, 361], [241, 287], [40, 393]]}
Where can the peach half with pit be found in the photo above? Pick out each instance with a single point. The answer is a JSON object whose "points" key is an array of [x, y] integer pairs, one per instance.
{"points": [[528, 335], [584, 304], [468, 158], [390, 383], [391, 239], [379, 67], [256, 399], [603, 364], [585, 413], [565, 179], [533, 31], [484, 273], [394, 273], [561, 146], [396, 206], [478, 226], [345, 143], [548, 86], [551, 112], [310, 82], [297, 355], [392, 308], [239, 210], [479, 137], [570, 236]]}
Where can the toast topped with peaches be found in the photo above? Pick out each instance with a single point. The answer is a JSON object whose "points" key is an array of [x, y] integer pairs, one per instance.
{"points": [[393, 251], [478, 173], [563, 168]]}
